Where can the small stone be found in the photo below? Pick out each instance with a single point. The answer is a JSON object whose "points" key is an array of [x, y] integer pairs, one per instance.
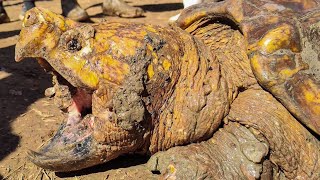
{"points": [[49, 92]]}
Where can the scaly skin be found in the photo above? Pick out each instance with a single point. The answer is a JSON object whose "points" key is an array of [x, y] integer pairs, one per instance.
{"points": [[136, 78], [243, 149], [282, 47], [153, 88], [51, 37]]}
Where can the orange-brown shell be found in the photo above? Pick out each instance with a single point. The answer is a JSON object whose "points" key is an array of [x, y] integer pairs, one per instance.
{"points": [[282, 45]]}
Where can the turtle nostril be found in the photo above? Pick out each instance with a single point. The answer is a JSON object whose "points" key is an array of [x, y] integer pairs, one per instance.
{"points": [[30, 19]]}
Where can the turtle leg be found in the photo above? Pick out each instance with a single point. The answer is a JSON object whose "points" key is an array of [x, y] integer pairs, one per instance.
{"points": [[232, 153], [260, 139], [292, 147]]}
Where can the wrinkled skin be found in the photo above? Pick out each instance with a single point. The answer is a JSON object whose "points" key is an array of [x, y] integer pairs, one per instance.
{"points": [[127, 78], [283, 51], [151, 89]]}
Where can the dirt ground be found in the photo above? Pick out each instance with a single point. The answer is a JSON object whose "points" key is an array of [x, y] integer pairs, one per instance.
{"points": [[28, 119]]}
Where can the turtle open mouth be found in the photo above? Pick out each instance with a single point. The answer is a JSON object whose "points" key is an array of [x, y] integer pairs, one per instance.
{"points": [[73, 142]]}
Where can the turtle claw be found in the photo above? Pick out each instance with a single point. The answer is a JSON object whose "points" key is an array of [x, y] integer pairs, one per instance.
{"points": [[121, 9]]}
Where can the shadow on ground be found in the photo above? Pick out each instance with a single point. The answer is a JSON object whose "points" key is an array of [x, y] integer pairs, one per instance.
{"points": [[148, 7], [120, 162], [94, 5], [7, 34], [162, 7], [21, 85], [152, 7]]}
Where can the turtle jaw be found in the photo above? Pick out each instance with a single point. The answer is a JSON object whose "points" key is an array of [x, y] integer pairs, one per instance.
{"points": [[75, 147], [73, 157], [72, 148], [84, 140]]}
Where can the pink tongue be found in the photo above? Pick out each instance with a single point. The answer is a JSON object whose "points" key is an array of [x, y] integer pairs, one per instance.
{"points": [[81, 100]]}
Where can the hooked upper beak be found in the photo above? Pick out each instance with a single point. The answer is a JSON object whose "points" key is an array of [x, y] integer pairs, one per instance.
{"points": [[19, 52], [40, 26]]}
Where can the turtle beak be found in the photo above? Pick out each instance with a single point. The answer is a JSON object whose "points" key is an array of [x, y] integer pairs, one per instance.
{"points": [[40, 33], [72, 148], [19, 52], [33, 28], [75, 158], [78, 146]]}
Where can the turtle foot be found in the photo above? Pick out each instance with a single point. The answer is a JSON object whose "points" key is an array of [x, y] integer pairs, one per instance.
{"points": [[233, 148], [121, 9]]}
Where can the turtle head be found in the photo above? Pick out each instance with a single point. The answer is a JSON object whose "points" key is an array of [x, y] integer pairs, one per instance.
{"points": [[95, 86], [58, 45], [40, 33], [106, 72], [147, 88]]}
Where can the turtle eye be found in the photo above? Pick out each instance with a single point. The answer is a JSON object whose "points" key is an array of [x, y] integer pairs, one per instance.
{"points": [[74, 45]]}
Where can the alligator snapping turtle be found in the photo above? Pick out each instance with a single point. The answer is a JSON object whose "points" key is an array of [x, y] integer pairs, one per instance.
{"points": [[236, 85]]}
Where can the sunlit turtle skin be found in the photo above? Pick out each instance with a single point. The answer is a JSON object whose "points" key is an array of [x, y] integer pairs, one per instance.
{"points": [[230, 91], [283, 47]]}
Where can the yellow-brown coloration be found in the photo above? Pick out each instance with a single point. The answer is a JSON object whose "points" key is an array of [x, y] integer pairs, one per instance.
{"points": [[115, 71], [79, 67], [124, 46], [278, 38], [312, 96], [195, 79], [276, 123], [166, 64], [279, 70], [171, 168], [150, 71]]}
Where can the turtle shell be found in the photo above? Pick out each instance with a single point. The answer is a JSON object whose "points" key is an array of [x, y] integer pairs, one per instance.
{"points": [[283, 40]]}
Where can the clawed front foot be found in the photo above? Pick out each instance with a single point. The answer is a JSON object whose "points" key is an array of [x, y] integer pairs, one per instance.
{"points": [[232, 153], [121, 9], [268, 144]]}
